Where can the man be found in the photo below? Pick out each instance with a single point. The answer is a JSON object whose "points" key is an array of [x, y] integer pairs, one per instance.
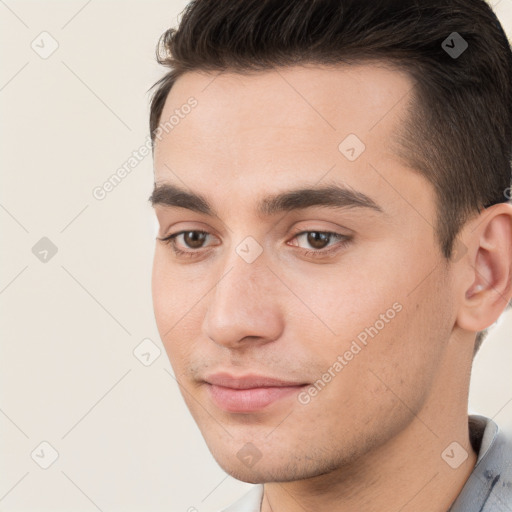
{"points": [[332, 186]]}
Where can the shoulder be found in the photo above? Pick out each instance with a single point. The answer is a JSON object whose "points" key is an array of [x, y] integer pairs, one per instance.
{"points": [[489, 487]]}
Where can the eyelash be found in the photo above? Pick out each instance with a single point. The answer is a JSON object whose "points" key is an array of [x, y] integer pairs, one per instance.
{"points": [[345, 240]]}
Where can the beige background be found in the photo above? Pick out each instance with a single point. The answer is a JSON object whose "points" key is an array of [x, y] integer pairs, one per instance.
{"points": [[124, 438]]}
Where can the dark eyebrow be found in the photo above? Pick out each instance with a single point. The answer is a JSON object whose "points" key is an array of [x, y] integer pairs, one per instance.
{"points": [[331, 196]]}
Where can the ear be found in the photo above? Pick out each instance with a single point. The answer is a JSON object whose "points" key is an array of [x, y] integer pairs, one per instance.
{"points": [[485, 272]]}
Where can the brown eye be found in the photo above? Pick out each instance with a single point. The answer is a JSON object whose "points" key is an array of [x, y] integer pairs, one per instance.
{"points": [[194, 239], [317, 239], [320, 243]]}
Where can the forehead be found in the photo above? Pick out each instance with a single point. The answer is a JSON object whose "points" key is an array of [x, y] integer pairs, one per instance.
{"points": [[251, 134], [290, 110]]}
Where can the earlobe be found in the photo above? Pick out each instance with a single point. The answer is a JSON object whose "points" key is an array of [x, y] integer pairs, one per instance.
{"points": [[489, 266]]}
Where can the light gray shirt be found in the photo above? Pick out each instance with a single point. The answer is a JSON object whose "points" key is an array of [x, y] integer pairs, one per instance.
{"points": [[488, 488]]}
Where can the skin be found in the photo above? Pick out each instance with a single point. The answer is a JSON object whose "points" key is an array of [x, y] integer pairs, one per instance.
{"points": [[373, 437]]}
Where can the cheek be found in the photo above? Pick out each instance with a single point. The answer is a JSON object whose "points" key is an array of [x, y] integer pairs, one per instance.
{"points": [[380, 319], [160, 290], [175, 291], [404, 357], [179, 299], [347, 299], [170, 303]]}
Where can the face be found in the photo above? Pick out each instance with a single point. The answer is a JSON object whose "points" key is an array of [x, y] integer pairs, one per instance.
{"points": [[332, 293]]}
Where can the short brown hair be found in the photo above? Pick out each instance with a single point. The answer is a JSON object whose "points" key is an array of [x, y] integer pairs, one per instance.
{"points": [[459, 130]]}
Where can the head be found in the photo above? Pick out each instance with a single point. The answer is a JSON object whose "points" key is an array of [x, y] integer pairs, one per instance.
{"points": [[341, 182]]}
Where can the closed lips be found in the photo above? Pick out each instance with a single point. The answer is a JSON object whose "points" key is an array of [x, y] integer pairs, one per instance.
{"points": [[249, 381]]}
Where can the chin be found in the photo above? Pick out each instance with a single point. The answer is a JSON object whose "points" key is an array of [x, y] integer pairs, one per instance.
{"points": [[266, 471], [238, 471]]}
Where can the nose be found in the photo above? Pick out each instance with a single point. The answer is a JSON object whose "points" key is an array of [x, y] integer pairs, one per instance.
{"points": [[244, 308]]}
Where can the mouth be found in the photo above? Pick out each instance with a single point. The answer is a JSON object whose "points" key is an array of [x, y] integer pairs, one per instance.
{"points": [[249, 393]]}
